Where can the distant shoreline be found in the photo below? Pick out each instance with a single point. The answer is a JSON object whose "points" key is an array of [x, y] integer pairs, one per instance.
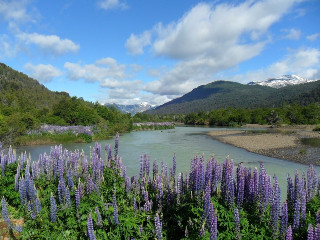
{"points": [[283, 142]]}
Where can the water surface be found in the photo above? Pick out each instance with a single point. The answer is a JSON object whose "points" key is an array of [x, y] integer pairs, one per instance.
{"points": [[186, 142]]}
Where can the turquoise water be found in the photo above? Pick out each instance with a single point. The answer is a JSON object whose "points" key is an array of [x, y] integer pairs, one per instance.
{"points": [[186, 142]]}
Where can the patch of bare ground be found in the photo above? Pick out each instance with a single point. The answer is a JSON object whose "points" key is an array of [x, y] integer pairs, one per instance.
{"points": [[283, 142]]}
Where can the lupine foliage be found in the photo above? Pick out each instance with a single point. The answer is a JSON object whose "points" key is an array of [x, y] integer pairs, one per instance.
{"points": [[68, 195]]}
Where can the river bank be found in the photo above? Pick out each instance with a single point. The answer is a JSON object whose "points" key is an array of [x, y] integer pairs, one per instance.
{"points": [[285, 142]]}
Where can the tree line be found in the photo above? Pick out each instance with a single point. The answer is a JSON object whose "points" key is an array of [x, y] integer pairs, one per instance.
{"points": [[287, 114]]}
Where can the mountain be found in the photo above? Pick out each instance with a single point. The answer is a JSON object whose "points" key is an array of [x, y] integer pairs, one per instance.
{"points": [[283, 81], [133, 108], [224, 94], [18, 91]]}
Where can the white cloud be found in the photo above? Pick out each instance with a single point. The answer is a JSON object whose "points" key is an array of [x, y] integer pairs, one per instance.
{"points": [[292, 34], [112, 4], [107, 72], [135, 44], [209, 39], [14, 11], [303, 62], [43, 73], [49, 43], [313, 37]]}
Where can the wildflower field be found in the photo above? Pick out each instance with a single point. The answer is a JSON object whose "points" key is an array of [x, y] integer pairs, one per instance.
{"points": [[69, 195]]}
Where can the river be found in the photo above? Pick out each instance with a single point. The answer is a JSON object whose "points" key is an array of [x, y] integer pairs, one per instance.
{"points": [[186, 142]]}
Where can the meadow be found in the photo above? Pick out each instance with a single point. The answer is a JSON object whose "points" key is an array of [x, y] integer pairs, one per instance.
{"points": [[70, 195]]}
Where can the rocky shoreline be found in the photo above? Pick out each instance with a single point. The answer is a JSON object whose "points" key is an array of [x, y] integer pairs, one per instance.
{"points": [[283, 143]]}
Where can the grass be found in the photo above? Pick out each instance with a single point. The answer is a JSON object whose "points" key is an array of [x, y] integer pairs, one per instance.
{"points": [[36, 139], [313, 142]]}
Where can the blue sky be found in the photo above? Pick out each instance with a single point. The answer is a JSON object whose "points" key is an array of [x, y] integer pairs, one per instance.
{"points": [[153, 51]]}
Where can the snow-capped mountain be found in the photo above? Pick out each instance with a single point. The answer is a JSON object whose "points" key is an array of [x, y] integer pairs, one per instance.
{"points": [[283, 81], [132, 108]]}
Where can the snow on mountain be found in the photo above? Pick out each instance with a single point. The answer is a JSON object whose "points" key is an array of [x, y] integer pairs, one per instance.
{"points": [[132, 108], [282, 81]]}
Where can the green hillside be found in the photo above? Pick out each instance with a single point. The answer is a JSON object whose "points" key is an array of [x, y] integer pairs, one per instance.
{"points": [[25, 105], [224, 94]]}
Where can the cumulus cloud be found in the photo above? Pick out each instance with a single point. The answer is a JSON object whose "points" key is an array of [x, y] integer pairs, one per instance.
{"points": [[135, 44], [14, 11], [303, 62], [43, 73], [313, 37], [292, 34], [209, 39], [112, 4], [49, 43], [107, 72]]}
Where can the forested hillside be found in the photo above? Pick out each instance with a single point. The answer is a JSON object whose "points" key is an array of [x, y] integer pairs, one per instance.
{"points": [[224, 94], [25, 105]]}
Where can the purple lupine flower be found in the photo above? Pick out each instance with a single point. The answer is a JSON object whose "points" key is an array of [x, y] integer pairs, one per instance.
{"points": [[240, 185], [290, 192], [135, 207], [5, 215], [174, 164], [158, 227], [303, 207], [316, 232], [289, 233], [275, 207], [89, 185], [296, 214], [53, 208], [155, 169], [140, 229], [99, 218], [77, 197], [70, 178], [237, 223], [284, 220], [141, 173], [311, 182], [68, 199], [90, 229], [310, 232], [116, 145], [115, 214], [22, 191], [206, 201], [318, 217], [213, 223], [38, 205]]}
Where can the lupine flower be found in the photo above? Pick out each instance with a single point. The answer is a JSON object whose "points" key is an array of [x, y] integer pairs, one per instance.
{"points": [[310, 232], [237, 223], [135, 207], [289, 233], [91, 235], [70, 179], [77, 197], [116, 145], [284, 220], [296, 215], [140, 229], [99, 218], [5, 215], [317, 232], [158, 227], [38, 205], [318, 217], [53, 209], [115, 214], [68, 199]]}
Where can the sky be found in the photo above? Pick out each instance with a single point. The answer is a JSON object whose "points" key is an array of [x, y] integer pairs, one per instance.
{"points": [[147, 51]]}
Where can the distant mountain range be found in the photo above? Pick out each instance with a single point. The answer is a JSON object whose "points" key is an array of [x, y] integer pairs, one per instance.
{"points": [[224, 94], [133, 108], [283, 81]]}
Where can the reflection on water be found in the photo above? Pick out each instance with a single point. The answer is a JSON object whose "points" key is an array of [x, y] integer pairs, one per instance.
{"points": [[186, 142]]}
